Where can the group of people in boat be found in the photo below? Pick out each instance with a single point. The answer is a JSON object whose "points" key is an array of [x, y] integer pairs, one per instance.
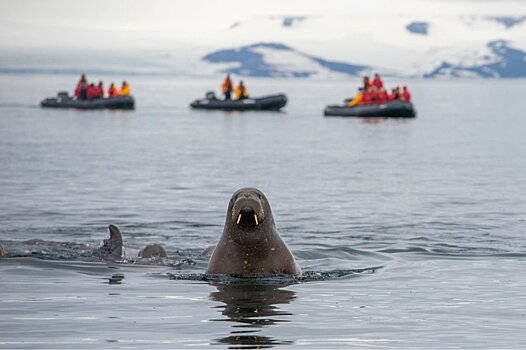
{"points": [[240, 91], [90, 91], [374, 92]]}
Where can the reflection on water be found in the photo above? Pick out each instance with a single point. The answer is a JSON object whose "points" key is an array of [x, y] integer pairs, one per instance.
{"points": [[252, 307]]}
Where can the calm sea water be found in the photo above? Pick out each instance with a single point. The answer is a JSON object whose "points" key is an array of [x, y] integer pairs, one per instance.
{"points": [[416, 226]]}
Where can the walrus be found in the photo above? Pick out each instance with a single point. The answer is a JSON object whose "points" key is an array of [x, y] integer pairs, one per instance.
{"points": [[250, 244], [110, 249]]}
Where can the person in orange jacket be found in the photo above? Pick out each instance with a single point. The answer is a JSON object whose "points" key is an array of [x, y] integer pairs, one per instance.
{"points": [[226, 87], [112, 90], [241, 91], [125, 89]]}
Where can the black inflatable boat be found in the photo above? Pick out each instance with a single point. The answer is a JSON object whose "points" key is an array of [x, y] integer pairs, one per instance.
{"points": [[267, 103], [393, 109], [64, 101]]}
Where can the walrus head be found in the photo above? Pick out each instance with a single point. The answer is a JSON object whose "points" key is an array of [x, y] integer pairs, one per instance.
{"points": [[249, 213]]}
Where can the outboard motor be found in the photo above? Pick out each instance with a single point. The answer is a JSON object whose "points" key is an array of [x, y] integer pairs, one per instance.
{"points": [[211, 95], [63, 95]]}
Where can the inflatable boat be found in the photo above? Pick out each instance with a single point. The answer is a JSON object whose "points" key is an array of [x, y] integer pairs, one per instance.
{"points": [[64, 101], [393, 109], [266, 103]]}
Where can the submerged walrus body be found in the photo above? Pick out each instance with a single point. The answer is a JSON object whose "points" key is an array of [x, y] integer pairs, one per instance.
{"points": [[250, 244], [111, 248]]}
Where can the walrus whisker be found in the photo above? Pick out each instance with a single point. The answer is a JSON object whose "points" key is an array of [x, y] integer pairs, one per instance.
{"points": [[256, 218], [238, 218]]}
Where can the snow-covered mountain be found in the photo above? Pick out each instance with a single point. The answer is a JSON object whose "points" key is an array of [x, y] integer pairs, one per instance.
{"points": [[278, 60], [269, 38], [437, 47]]}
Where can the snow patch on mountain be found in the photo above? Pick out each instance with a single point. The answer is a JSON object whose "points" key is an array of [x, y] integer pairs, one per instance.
{"points": [[504, 62], [278, 60]]}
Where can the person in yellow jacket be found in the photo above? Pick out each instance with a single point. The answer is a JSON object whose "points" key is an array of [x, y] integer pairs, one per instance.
{"points": [[125, 89], [226, 87], [241, 91], [357, 99]]}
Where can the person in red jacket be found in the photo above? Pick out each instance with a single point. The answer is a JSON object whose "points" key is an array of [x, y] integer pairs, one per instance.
{"points": [[366, 83], [384, 96], [112, 90], [406, 96], [100, 89], [91, 92], [377, 81], [367, 98], [80, 89]]}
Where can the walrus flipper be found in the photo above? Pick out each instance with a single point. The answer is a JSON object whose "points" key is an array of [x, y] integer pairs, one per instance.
{"points": [[112, 247]]}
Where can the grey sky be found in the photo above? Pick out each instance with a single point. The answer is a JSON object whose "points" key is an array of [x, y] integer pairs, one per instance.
{"points": [[161, 23]]}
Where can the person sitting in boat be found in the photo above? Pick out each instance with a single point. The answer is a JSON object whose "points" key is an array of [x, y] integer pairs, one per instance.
{"points": [[357, 99], [395, 93], [112, 90], [80, 90], [125, 89], [367, 97], [377, 81], [241, 91], [366, 83], [226, 87], [100, 89], [92, 92], [405, 95], [384, 96]]}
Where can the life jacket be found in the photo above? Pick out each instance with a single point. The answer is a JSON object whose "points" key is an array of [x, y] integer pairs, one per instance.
{"points": [[384, 96], [125, 91], [378, 83], [241, 92], [226, 86], [367, 98], [375, 96], [77, 91], [407, 95], [91, 92], [357, 99], [81, 85], [112, 91]]}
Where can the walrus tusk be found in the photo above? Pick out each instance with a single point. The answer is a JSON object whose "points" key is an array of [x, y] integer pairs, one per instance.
{"points": [[256, 218], [238, 219]]}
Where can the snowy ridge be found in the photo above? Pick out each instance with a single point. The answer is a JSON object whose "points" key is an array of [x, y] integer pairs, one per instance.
{"points": [[278, 60]]}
